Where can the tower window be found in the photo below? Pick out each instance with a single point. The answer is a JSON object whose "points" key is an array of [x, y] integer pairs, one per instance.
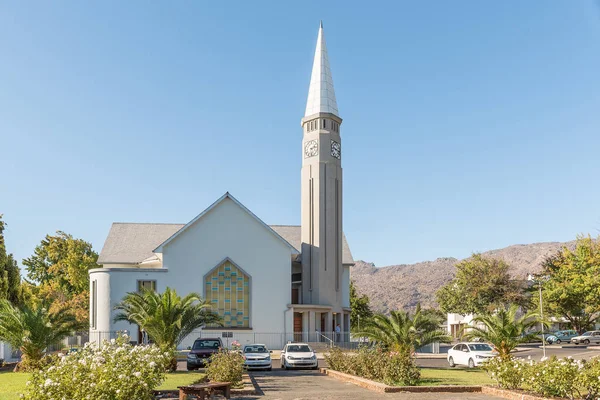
{"points": [[324, 125]]}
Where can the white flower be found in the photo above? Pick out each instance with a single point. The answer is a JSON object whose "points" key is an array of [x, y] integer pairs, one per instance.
{"points": [[137, 374]]}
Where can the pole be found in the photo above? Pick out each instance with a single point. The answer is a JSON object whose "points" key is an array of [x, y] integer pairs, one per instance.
{"points": [[542, 320]]}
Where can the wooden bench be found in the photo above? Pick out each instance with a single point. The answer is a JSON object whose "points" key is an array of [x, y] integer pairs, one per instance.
{"points": [[202, 390]]}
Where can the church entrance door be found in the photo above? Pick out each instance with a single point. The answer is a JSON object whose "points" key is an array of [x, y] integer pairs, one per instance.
{"points": [[297, 327]]}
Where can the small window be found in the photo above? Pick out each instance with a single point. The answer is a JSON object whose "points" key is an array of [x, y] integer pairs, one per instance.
{"points": [[94, 304], [148, 285], [324, 124]]}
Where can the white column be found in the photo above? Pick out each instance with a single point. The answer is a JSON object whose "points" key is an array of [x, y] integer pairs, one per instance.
{"points": [[311, 326]]}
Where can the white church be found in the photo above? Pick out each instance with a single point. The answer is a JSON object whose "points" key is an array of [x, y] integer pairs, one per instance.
{"points": [[279, 281]]}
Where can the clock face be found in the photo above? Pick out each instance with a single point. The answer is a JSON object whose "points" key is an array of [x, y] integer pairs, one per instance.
{"points": [[336, 149], [311, 148]]}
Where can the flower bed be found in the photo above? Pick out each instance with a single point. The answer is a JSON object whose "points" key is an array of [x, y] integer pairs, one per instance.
{"points": [[565, 378], [391, 368], [114, 370]]}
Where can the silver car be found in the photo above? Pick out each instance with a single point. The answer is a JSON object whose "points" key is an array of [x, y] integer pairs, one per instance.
{"points": [[257, 356], [587, 338]]}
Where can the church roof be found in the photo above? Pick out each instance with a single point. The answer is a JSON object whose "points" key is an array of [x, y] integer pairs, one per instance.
{"points": [[132, 243], [321, 96]]}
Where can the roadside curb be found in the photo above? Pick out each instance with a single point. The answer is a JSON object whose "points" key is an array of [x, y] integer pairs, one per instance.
{"points": [[383, 388]]}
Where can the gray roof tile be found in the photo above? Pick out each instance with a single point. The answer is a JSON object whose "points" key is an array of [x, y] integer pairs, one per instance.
{"points": [[131, 243]]}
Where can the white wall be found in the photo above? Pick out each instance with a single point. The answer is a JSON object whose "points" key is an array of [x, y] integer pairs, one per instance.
{"points": [[229, 231], [226, 231]]}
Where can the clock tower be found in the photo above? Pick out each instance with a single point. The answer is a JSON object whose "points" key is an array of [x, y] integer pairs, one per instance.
{"points": [[322, 189]]}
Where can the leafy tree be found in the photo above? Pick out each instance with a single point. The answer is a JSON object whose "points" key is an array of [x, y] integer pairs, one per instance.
{"points": [[10, 275], [404, 332], [32, 330], [166, 317], [504, 328], [481, 284], [60, 265], [361, 311], [572, 289]]}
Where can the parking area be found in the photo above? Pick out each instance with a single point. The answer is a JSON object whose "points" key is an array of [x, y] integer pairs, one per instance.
{"points": [[304, 385]]}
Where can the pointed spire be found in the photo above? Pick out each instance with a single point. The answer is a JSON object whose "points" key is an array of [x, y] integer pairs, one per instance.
{"points": [[321, 96]]}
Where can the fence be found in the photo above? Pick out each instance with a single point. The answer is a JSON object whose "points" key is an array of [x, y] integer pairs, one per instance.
{"points": [[273, 340]]}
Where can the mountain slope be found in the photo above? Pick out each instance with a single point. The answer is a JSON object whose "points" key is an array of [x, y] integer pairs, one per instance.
{"points": [[401, 287]]}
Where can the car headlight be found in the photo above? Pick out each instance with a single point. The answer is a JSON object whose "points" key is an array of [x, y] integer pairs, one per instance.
{"points": [[313, 357], [290, 358], [268, 358], [480, 357], [191, 356]]}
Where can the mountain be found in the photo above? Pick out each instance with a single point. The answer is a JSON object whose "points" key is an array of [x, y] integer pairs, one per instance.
{"points": [[401, 287]]}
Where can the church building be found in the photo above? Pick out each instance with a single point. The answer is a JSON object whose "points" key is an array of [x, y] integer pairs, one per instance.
{"points": [[279, 281]]}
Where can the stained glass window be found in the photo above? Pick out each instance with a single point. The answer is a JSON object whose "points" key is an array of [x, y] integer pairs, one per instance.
{"points": [[230, 298]]}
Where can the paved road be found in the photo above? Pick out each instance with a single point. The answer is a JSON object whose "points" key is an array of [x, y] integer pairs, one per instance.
{"points": [[304, 385], [439, 361]]}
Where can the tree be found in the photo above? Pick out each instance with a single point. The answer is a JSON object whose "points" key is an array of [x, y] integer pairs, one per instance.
{"points": [[504, 328], [10, 275], [481, 284], [572, 289], [32, 330], [166, 318], [404, 332], [360, 310], [60, 265]]}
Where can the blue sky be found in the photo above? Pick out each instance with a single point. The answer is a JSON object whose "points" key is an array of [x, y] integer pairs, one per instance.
{"points": [[468, 125]]}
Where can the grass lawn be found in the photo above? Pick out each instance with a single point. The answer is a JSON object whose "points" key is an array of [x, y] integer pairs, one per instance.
{"points": [[13, 383], [180, 378], [441, 376]]}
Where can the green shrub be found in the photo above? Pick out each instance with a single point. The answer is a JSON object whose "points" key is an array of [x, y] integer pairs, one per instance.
{"points": [[114, 370], [226, 366], [508, 373], [589, 379], [376, 364], [554, 377]]}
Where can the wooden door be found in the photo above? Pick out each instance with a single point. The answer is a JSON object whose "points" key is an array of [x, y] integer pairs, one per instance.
{"points": [[297, 327]]}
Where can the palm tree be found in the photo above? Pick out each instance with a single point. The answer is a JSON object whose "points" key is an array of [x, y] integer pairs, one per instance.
{"points": [[504, 328], [167, 318], [404, 332], [32, 330]]}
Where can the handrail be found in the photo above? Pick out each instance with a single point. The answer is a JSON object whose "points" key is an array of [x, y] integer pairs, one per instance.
{"points": [[323, 336]]}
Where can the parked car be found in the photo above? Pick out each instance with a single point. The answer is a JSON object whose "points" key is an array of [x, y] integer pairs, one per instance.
{"points": [[587, 338], [562, 336], [201, 351], [471, 354], [257, 356], [298, 355]]}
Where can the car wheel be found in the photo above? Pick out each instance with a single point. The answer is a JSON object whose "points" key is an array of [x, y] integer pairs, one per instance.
{"points": [[191, 369], [451, 362], [282, 364], [586, 341], [558, 341], [471, 363]]}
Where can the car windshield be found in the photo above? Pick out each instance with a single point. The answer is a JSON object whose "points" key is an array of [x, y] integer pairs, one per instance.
{"points": [[480, 347], [255, 349], [206, 344], [299, 349]]}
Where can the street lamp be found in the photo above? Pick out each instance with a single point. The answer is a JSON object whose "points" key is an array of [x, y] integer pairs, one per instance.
{"points": [[531, 277]]}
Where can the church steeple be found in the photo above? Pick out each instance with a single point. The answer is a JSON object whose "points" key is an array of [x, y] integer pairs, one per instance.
{"points": [[321, 96], [321, 190]]}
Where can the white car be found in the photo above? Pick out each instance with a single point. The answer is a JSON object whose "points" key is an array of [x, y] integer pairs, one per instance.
{"points": [[587, 338], [257, 356], [471, 354], [298, 355]]}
